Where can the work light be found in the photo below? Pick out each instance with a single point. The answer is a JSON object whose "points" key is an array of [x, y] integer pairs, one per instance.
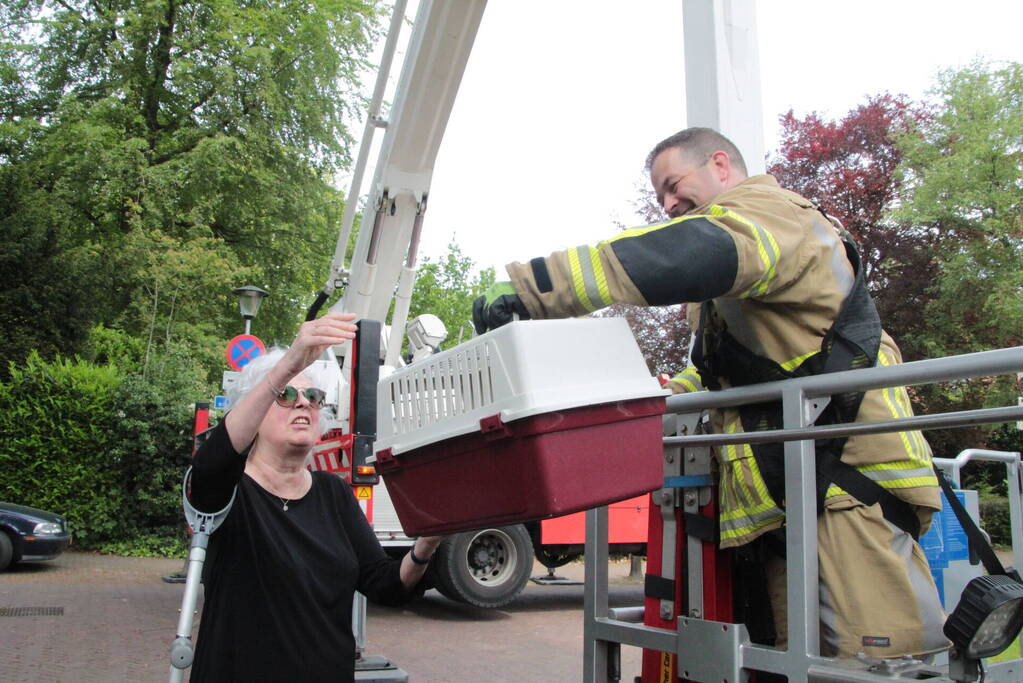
{"points": [[988, 617]]}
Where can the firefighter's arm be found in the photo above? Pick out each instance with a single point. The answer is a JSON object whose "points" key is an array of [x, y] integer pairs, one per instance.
{"points": [[691, 258], [685, 382]]}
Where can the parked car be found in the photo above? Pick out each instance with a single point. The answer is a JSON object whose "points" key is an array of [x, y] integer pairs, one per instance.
{"points": [[30, 535]]}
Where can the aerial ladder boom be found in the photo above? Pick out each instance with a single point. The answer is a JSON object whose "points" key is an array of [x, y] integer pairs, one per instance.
{"points": [[383, 264]]}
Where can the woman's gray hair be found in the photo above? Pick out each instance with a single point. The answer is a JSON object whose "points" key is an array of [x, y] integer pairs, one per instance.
{"points": [[255, 372]]}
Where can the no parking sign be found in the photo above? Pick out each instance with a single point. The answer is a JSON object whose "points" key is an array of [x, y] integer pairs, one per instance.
{"points": [[242, 350]]}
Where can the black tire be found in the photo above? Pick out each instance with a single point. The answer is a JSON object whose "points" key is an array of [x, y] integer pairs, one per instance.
{"points": [[6, 551], [486, 568]]}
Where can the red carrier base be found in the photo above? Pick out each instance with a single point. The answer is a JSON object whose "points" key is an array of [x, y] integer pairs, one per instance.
{"points": [[532, 468]]}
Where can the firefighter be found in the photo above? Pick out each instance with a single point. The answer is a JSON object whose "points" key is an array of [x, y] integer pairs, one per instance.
{"points": [[774, 292]]}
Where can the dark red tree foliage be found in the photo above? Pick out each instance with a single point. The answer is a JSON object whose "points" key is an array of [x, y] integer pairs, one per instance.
{"points": [[847, 167]]}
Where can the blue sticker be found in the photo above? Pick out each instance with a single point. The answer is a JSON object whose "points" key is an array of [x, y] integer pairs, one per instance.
{"points": [[933, 543], [957, 545]]}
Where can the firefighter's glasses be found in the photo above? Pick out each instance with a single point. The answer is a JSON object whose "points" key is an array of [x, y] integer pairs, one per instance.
{"points": [[289, 396]]}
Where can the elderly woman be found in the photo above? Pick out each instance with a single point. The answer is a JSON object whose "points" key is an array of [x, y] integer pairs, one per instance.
{"points": [[284, 565]]}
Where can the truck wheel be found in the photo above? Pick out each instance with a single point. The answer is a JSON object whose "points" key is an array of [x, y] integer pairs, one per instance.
{"points": [[485, 568], [6, 551]]}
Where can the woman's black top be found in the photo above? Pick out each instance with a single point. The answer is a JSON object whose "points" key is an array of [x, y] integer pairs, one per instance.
{"points": [[280, 584]]}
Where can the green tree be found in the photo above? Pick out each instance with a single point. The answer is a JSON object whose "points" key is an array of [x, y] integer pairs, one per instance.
{"points": [[213, 124], [964, 178], [446, 288], [963, 183]]}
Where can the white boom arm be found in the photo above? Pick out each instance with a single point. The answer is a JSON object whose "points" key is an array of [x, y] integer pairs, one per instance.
{"points": [[383, 265]]}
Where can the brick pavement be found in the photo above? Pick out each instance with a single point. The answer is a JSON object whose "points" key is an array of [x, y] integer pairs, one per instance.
{"points": [[118, 620]]}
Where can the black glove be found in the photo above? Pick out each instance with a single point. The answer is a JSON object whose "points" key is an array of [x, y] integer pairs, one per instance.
{"points": [[498, 306]]}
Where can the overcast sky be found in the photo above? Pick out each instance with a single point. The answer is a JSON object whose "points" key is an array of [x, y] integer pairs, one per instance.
{"points": [[562, 100]]}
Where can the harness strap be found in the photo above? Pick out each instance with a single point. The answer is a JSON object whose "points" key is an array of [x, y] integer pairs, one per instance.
{"points": [[978, 543], [658, 587], [852, 342], [869, 492]]}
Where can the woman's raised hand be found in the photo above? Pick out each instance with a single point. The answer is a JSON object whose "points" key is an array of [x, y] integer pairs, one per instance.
{"points": [[315, 336]]}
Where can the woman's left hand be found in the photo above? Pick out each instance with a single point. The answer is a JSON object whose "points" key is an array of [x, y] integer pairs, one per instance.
{"points": [[426, 545], [314, 337]]}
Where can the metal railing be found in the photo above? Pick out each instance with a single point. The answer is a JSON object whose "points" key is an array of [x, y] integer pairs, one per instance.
{"points": [[715, 651]]}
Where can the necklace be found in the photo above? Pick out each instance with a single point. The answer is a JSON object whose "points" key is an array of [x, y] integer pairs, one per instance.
{"points": [[284, 502], [272, 490]]}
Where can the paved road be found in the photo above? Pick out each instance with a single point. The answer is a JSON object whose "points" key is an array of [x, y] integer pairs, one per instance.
{"points": [[112, 619]]}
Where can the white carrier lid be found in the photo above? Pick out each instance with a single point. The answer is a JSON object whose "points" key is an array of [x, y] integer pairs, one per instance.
{"points": [[522, 369]]}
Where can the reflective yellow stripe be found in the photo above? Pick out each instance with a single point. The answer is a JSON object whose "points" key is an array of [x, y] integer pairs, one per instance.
{"points": [[897, 401], [689, 378], [835, 491], [578, 285], [734, 455], [644, 229], [767, 249], [685, 382], [754, 523], [603, 291], [742, 521], [758, 480], [752, 509], [899, 475], [903, 483], [798, 360], [589, 281], [731, 452], [912, 472]]}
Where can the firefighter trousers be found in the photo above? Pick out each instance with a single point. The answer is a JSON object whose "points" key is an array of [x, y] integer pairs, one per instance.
{"points": [[877, 595]]}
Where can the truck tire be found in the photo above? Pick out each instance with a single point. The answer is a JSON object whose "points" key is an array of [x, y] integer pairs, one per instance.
{"points": [[486, 568], [6, 551]]}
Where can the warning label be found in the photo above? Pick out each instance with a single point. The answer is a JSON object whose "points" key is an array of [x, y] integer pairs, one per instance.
{"points": [[364, 492]]}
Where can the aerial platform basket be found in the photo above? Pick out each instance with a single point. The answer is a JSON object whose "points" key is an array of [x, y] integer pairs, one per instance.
{"points": [[535, 419]]}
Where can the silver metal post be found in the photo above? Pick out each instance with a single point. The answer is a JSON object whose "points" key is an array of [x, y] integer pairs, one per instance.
{"points": [[595, 596], [801, 533]]}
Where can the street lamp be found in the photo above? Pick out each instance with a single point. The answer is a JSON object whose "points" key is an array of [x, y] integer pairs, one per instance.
{"points": [[250, 298]]}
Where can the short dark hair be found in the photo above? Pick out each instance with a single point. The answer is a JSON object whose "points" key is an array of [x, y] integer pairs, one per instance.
{"points": [[698, 143]]}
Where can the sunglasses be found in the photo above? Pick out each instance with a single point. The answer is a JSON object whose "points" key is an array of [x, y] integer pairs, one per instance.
{"points": [[289, 396]]}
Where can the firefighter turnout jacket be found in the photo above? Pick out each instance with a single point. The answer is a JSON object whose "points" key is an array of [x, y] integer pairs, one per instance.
{"points": [[777, 274]]}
